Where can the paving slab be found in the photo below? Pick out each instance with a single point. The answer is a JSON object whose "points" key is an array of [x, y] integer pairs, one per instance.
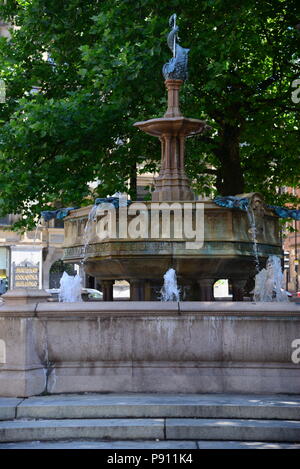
{"points": [[161, 405], [233, 429], [8, 407], [101, 445], [245, 445], [155, 445], [114, 429]]}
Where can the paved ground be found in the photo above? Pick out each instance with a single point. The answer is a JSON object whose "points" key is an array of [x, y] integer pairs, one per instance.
{"points": [[148, 445]]}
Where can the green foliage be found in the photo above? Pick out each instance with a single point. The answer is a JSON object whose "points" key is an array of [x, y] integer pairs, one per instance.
{"points": [[105, 74]]}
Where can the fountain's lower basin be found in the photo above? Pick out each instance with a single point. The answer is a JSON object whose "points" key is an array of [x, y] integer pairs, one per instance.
{"points": [[185, 347], [226, 250]]}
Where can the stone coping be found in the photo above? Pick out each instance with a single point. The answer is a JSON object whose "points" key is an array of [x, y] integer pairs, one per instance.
{"points": [[136, 308]]}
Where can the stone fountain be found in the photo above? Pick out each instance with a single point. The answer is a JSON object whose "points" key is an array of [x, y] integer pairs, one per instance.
{"points": [[225, 244], [158, 346]]}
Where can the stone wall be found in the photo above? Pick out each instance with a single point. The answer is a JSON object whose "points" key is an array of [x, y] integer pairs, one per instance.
{"points": [[188, 347]]}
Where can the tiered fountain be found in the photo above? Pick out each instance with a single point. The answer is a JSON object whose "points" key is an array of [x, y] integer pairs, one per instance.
{"points": [[159, 346], [228, 247]]}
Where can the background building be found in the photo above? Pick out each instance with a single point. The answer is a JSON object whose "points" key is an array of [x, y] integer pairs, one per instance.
{"points": [[32, 259], [291, 248]]}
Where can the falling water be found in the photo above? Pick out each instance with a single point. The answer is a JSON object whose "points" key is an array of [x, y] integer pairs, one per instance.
{"points": [[253, 230], [269, 282], [92, 218], [170, 290], [70, 288]]}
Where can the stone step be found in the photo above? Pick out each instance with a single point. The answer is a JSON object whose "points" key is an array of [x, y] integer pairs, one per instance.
{"points": [[112, 429], [161, 429], [233, 429], [8, 407], [90, 444], [157, 406]]}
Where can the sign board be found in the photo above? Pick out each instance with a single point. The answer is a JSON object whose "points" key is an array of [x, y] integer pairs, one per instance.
{"points": [[26, 275]]}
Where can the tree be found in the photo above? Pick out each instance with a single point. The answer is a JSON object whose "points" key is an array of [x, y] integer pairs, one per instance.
{"points": [[104, 74]]}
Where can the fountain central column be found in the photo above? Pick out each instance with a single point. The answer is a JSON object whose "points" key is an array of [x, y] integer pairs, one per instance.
{"points": [[172, 129], [173, 87], [172, 182]]}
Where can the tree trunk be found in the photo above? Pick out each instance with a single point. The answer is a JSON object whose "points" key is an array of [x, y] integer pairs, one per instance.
{"points": [[230, 180], [133, 182]]}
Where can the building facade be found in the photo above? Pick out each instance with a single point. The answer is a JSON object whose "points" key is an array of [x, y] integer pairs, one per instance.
{"points": [[292, 252], [27, 260]]}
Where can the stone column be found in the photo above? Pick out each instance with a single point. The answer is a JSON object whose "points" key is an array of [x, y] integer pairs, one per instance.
{"points": [[107, 289], [238, 289], [137, 290], [173, 87], [172, 182], [148, 291], [206, 289]]}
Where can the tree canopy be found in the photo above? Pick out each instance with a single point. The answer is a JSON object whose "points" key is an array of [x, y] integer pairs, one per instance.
{"points": [[96, 68]]}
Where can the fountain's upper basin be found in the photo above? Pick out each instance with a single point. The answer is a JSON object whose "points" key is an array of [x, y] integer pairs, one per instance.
{"points": [[172, 125], [225, 250]]}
